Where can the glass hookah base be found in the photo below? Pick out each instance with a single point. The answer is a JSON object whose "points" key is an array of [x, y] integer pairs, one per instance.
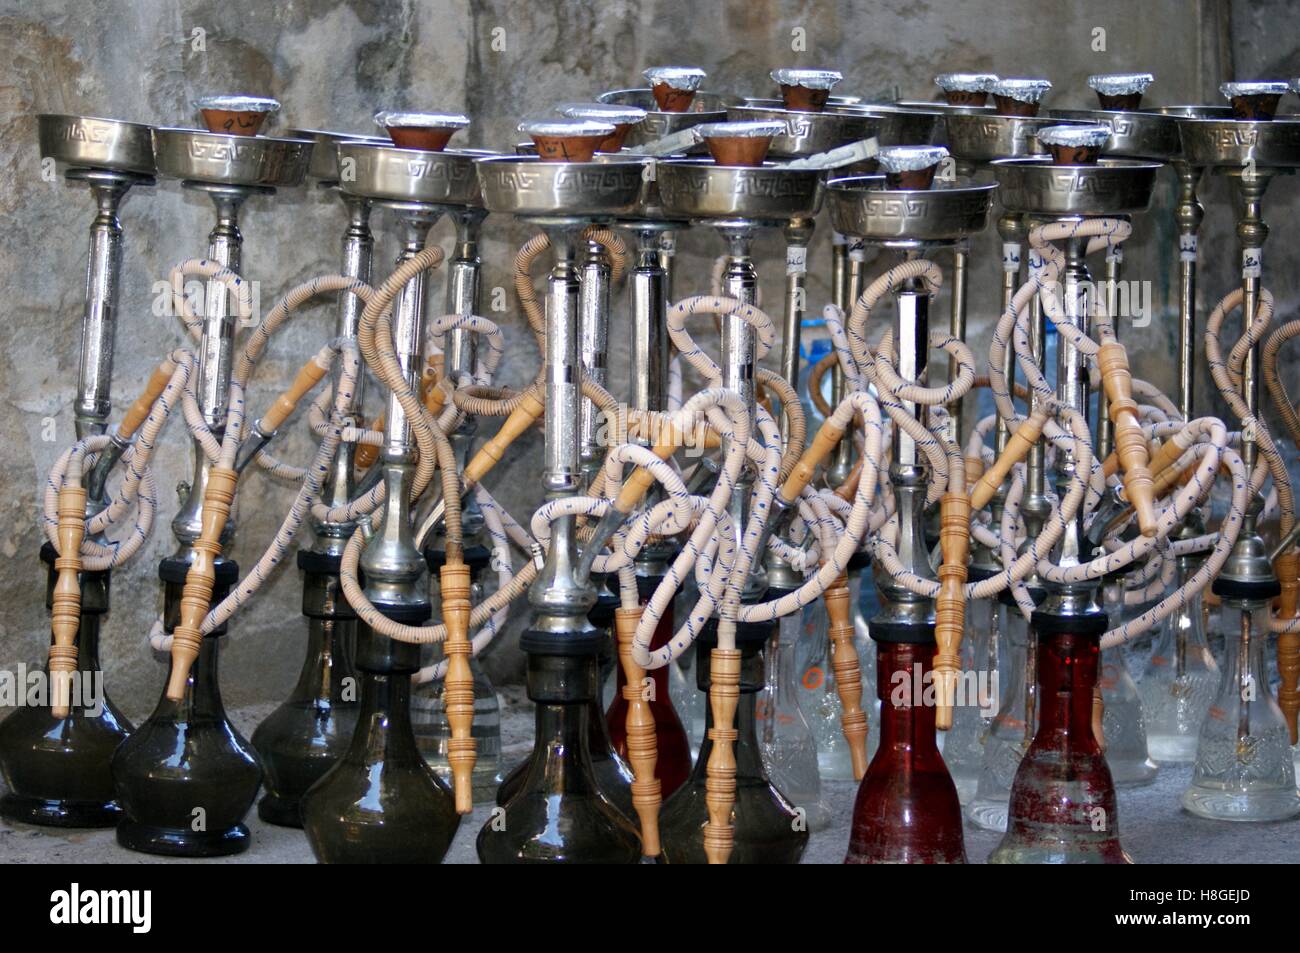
{"points": [[1172, 748], [1132, 772], [1024, 845], [989, 814], [59, 812], [183, 842], [1221, 802], [280, 810]]}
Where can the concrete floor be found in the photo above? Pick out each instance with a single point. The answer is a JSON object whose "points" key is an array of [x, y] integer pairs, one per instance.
{"points": [[1153, 826]]}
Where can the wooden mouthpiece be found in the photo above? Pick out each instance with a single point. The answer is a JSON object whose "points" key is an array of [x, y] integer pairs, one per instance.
{"points": [[720, 777], [642, 742], [828, 436], [367, 454], [528, 412], [65, 612], [974, 470], [458, 685], [138, 411], [284, 405], [1018, 445], [1130, 443], [201, 579], [640, 480], [950, 607], [435, 397], [848, 676], [847, 490]]}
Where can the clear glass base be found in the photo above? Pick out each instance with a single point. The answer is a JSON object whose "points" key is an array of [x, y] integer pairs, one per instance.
{"points": [[1172, 748], [1218, 802], [989, 813]]}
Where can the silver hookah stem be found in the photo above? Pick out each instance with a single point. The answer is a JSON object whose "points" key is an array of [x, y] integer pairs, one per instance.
{"points": [[392, 565], [560, 597], [216, 355], [358, 247], [740, 282], [593, 331], [1114, 272], [99, 313], [909, 471], [957, 328]]}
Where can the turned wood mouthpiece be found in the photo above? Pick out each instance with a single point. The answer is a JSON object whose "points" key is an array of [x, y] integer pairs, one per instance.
{"points": [[65, 600], [528, 412], [196, 597], [828, 437], [848, 673], [458, 685], [1130, 442], [720, 778], [642, 740], [950, 606]]}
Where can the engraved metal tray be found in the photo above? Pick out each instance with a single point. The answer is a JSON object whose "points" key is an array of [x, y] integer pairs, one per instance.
{"points": [[1111, 187], [525, 185], [87, 142], [218, 159], [385, 173], [699, 189], [862, 207]]}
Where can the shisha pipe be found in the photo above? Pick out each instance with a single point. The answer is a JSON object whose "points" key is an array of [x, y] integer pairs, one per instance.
{"points": [[69, 783], [560, 642]]}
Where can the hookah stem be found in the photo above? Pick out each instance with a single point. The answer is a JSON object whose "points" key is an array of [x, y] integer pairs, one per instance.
{"points": [[1246, 687], [957, 328], [99, 316], [1113, 270]]}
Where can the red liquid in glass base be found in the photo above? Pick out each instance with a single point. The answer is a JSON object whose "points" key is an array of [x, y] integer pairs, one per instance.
{"points": [[907, 810], [1063, 800], [673, 766]]}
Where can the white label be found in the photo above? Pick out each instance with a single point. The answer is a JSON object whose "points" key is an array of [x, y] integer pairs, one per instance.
{"points": [[1115, 253], [668, 242], [796, 260], [1252, 260], [838, 239], [1187, 247], [857, 253], [1011, 256]]}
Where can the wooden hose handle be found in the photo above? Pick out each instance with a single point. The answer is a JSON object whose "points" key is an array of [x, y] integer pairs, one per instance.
{"points": [[1130, 442], [1017, 448], [527, 413], [458, 684], [974, 470], [434, 396], [828, 437], [201, 579], [139, 411], [950, 606], [720, 777], [284, 405], [848, 676], [367, 453], [847, 490], [642, 742], [65, 603], [638, 483]]}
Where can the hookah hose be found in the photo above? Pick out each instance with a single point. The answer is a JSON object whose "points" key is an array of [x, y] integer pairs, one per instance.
{"points": [[196, 616], [64, 488]]}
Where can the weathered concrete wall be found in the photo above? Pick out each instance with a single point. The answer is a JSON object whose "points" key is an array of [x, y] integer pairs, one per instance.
{"points": [[333, 63]]}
